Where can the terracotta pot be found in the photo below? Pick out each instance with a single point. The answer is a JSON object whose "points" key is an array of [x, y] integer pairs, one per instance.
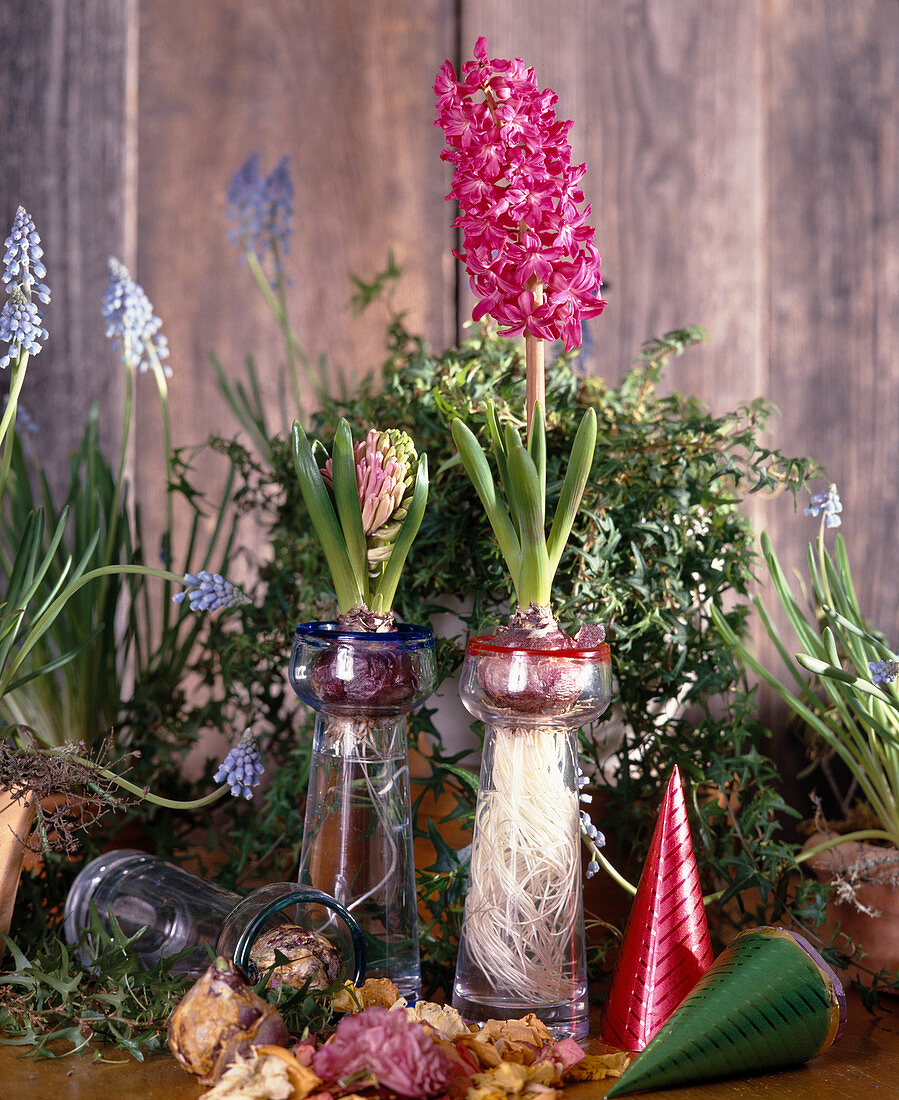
{"points": [[874, 871], [16, 818]]}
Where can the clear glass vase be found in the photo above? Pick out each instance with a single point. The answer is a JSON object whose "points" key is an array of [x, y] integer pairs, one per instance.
{"points": [[357, 837], [522, 945], [179, 913]]}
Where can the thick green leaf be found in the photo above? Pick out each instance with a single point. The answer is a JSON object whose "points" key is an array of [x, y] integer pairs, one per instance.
{"points": [[324, 520], [475, 462], [495, 434], [537, 450], [535, 581], [579, 463], [346, 499]]}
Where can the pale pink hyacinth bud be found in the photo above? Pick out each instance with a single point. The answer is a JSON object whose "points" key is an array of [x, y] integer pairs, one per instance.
{"points": [[385, 471]]}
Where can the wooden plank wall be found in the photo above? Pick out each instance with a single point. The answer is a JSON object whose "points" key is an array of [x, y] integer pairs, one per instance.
{"points": [[742, 169]]}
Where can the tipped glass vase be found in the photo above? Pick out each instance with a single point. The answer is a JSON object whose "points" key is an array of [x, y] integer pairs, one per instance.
{"points": [[522, 944], [172, 912], [357, 838]]}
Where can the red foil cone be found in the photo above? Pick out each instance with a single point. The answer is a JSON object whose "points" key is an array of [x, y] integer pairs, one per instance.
{"points": [[666, 947]]}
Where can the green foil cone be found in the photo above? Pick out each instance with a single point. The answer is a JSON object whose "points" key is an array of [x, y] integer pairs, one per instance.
{"points": [[768, 1001]]}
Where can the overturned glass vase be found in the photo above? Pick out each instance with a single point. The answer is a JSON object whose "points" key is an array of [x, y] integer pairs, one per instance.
{"points": [[357, 837], [522, 946], [172, 912]]}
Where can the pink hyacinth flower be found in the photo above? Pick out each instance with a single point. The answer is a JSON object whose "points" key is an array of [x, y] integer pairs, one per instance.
{"points": [[519, 198]]}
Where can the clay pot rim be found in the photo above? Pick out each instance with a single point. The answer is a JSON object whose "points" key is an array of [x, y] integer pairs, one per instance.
{"points": [[844, 855]]}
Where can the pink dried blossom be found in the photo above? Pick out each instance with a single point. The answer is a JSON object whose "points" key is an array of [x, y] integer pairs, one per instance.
{"points": [[520, 200], [394, 1050]]}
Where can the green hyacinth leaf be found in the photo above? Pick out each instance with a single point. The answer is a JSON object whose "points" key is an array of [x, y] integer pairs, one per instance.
{"points": [[476, 466], [385, 590], [324, 520], [346, 500], [495, 434], [576, 475], [535, 580]]}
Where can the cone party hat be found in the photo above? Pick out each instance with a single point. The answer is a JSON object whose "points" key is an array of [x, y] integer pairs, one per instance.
{"points": [[768, 1001], [666, 946]]}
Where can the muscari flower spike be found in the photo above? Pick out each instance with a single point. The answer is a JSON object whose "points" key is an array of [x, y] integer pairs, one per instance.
{"points": [[828, 503], [883, 672], [207, 591], [21, 322], [261, 208], [242, 767], [131, 324]]}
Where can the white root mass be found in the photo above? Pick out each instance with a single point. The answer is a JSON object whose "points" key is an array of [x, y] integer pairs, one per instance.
{"points": [[525, 867]]}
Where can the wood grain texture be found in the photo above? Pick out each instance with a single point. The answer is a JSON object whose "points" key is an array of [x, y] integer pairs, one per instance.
{"points": [[64, 155], [742, 166], [833, 245], [667, 103], [345, 89]]}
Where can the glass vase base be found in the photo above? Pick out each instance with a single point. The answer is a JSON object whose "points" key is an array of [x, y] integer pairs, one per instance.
{"points": [[563, 1019], [400, 963]]}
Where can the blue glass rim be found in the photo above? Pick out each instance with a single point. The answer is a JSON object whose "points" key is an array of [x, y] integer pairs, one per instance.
{"points": [[407, 635]]}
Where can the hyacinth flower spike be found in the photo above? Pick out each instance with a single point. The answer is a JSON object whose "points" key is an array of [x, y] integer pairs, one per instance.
{"points": [[21, 321], [366, 503]]}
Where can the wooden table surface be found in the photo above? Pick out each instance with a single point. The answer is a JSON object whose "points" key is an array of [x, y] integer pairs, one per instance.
{"points": [[864, 1064]]}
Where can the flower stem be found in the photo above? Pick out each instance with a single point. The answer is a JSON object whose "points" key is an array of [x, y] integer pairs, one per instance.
{"points": [[277, 303], [146, 795], [9, 415], [534, 360]]}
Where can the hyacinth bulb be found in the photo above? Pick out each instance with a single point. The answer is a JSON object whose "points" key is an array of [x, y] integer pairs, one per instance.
{"points": [[219, 1018]]}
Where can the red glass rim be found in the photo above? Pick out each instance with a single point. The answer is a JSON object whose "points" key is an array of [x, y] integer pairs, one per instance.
{"points": [[478, 647]]}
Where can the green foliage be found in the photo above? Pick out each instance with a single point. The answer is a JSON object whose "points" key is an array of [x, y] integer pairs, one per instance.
{"points": [[659, 537], [516, 508], [47, 997], [854, 720]]}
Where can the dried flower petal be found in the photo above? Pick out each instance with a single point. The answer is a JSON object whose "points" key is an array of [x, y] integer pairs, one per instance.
{"points": [[396, 1052]]}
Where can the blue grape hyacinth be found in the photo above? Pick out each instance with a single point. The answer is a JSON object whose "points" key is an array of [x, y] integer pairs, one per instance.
{"points": [[207, 591], [131, 324], [242, 767], [21, 322], [261, 208], [828, 503], [883, 672]]}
